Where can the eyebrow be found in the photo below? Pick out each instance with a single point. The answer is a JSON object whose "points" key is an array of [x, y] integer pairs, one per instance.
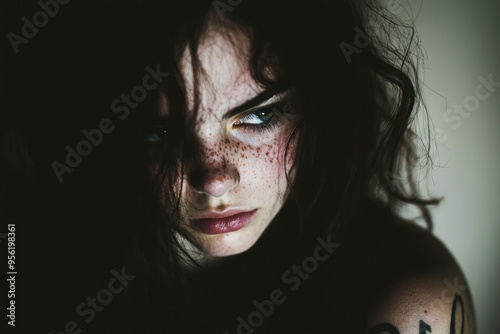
{"points": [[256, 100]]}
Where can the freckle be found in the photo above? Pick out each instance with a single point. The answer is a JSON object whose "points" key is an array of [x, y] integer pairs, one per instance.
{"points": [[425, 311]]}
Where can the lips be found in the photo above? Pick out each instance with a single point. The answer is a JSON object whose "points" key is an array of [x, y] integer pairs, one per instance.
{"points": [[217, 223]]}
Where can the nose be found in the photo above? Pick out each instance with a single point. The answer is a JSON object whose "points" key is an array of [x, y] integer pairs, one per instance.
{"points": [[211, 174]]}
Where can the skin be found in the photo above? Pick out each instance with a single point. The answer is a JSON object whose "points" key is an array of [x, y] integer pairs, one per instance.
{"points": [[241, 167]]}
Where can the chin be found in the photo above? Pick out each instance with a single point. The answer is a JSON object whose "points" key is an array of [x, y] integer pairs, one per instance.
{"points": [[227, 244]]}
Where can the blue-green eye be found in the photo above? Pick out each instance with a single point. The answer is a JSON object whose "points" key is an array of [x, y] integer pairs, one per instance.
{"points": [[156, 135], [257, 117]]}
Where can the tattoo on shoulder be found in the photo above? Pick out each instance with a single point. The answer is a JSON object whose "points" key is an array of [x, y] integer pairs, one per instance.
{"points": [[390, 329], [456, 323]]}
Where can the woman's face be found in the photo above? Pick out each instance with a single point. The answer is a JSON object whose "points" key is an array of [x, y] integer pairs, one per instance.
{"points": [[236, 183]]}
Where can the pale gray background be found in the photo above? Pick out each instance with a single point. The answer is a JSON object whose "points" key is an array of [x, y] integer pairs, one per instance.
{"points": [[462, 42]]}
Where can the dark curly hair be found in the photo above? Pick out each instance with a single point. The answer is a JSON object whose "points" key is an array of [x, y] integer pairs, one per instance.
{"points": [[354, 69]]}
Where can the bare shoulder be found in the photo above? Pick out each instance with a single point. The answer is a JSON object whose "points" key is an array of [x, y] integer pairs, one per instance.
{"points": [[417, 285]]}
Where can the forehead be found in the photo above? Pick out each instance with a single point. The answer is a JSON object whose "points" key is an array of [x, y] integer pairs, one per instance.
{"points": [[224, 76]]}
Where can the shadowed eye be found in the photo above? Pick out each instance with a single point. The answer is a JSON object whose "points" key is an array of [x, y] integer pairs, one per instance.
{"points": [[155, 135]]}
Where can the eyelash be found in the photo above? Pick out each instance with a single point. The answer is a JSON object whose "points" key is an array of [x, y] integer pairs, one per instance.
{"points": [[268, 125]]}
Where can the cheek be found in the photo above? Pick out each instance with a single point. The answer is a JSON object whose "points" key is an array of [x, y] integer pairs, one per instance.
{"points": [[263, 165], [291, 153], [152, 170], [283, 151]]}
